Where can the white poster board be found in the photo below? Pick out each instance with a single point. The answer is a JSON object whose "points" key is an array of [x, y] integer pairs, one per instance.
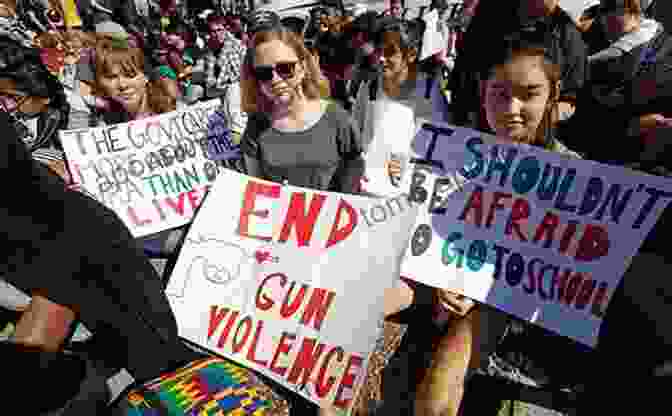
{"points": [[393, 126], [435, 37], [290, 282], [153, 172], [536, 234]]}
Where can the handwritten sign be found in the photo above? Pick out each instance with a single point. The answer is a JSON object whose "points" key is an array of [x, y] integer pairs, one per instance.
{"points": [[262, 280], [153, 172], [536, 234]]}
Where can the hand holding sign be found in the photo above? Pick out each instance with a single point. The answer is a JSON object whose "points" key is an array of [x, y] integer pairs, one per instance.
{"points": [[285, 306], [532, 233]]}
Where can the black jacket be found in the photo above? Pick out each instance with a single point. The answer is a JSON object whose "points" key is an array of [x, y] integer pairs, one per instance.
{"points": [[613, 99], [78, 253]]}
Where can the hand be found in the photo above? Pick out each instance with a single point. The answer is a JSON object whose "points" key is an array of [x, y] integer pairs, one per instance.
{"points": [[59, 168], [449, 301], [565, 110], [394, 170], [646, 126]]}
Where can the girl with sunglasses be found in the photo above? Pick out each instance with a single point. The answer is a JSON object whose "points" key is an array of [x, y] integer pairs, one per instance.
{"points": [[293, 136]]}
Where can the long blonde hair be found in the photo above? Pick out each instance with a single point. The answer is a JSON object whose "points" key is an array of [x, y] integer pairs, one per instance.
{"points": [[252, 101]]}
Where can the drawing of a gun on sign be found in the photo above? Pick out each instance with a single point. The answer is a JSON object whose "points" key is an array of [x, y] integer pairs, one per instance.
{"points": [[218, 262]]}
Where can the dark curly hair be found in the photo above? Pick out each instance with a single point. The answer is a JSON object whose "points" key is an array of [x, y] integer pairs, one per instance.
{"points": [[25, 68]]}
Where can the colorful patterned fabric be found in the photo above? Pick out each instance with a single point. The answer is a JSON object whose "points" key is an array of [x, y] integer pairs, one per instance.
{"points": [[208, 387]]}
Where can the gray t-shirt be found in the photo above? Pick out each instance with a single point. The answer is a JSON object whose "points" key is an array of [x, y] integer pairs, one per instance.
{"points": [[327, 155]]}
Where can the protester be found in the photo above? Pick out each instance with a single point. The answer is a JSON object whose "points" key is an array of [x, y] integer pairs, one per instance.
{"points": [[79, 262], [336, 57], [126, 91], [494, 19], [629, 98], [221, 65], [389, 100], [397, 81], [637, 47], [35, 101], [517, 113], [363, 36], [260, 20], [295, 137], [85, 76], [290, 115]]}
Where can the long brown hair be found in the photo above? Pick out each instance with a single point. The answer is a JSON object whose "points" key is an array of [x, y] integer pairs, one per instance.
{"points": [[109, 55], [251, 98], [553, 73]]}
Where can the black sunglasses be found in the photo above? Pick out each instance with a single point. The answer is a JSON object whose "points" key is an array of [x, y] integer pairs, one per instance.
{"points": [[285, 70]]}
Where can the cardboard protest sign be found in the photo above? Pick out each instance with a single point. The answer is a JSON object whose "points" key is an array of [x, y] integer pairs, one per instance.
{"points": [[153, 172], [290, 282], [536, 234]]}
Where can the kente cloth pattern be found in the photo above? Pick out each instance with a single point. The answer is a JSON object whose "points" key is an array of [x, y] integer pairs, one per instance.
{"points": [[208, 387]]}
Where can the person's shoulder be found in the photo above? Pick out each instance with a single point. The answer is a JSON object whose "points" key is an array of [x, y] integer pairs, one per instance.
{"points": [[337, 115], [335, 109]]}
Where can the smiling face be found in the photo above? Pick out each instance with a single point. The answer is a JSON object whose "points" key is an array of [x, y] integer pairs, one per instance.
{"points": [[516, 98], [119, 76]]}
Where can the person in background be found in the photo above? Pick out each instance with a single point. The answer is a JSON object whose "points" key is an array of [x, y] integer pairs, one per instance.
{"points": [[629, 98], [78, 262], [470, 341], [220, 67], [35, 102], [396, 9], [363, 36], [624, 89], [591, 28], [124, 90], [388, 120], [85, 75]]}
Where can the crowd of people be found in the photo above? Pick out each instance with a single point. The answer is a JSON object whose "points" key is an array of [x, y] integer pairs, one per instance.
{"points": [[309, 106]]}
